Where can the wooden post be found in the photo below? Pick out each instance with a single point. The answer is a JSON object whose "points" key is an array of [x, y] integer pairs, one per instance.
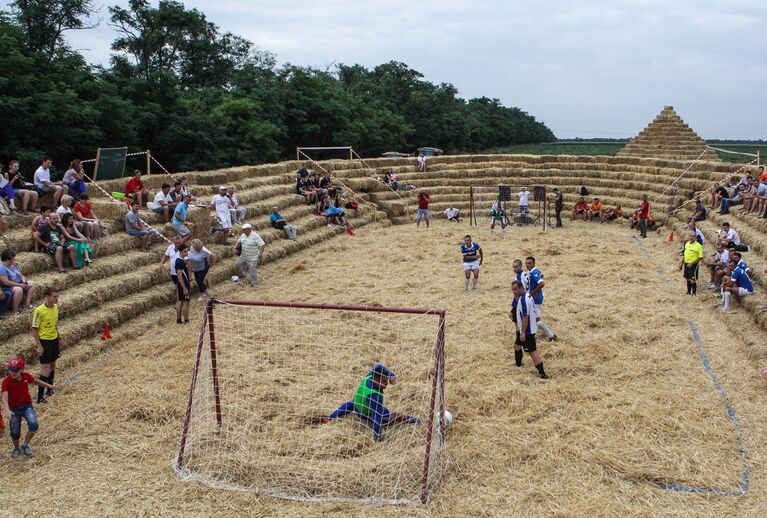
{"points": [[350, 153], [298, 154], [96, 165], [148, 162]]}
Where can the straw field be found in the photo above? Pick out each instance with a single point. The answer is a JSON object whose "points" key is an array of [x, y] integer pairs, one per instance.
{"points": [[628, 406]]}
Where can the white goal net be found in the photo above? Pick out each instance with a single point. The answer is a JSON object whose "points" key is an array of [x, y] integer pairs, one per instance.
{"points": [[292, 400]]}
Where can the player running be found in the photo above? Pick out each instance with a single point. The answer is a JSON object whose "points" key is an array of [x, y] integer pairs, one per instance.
{"points": [[523, 315], [472, 259], [368, 402], [535, 288]]}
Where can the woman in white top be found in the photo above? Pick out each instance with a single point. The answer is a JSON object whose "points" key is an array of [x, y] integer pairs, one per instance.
{"points": [[66, 208]]}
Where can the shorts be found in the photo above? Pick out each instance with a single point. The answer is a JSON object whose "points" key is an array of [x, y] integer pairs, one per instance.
{"points": [[45, 189], [423, 213], [174, 279], [159, 210], [180, 292], [691, 273], [181, 230], [139, 233], [471, 265], [612, 216], [529, 345], [51, 351], [537, 311], [743, 292]]}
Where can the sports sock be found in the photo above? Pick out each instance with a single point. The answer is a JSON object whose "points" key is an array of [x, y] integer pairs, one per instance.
{"points": [[41, 390], [492, 231], [540, 370], [466, 285], [474, 285], [518, 358], [726, 300], [543, 327], [50, 381], [694, 288]]}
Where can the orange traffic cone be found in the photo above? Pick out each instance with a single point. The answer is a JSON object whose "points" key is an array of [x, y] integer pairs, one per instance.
{"points": [[671, 237], [105, 335], [350, 231]]}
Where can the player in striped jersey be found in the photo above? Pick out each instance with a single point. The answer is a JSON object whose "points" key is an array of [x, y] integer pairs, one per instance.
{"points": [[520, 275], [523, 315], [535, 287], [472, 259]]}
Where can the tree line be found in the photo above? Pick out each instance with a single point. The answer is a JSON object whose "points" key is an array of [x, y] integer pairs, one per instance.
{"points": [[200, 98]]}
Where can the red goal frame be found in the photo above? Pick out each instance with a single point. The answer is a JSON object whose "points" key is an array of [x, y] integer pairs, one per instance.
{"points": [[438, 380]]}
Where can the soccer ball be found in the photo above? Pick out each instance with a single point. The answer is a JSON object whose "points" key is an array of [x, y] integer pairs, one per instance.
{"points": [[235, 278], [448, 417]]}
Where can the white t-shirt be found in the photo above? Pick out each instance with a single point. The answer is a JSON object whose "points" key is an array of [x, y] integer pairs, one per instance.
{"points": [[451, 212], [172, 254], [699, 234], [233, 200], [42, 175], [63, 210], [158, 198], [523, 195], [731, 235], [222, 205], [723, 257]]}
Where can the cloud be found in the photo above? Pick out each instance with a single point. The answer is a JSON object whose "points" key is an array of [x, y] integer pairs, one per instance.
{"points": [[585, 67]]}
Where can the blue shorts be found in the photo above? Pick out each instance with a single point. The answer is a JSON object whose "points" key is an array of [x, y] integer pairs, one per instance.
{"points": [[27, 412], [181, 230], [159, 210]]}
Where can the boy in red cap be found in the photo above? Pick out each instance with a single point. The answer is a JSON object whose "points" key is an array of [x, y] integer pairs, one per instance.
{"points": [[17, 404]]}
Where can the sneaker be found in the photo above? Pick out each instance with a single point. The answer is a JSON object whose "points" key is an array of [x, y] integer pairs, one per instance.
{"points": [[41, 401], [27, 450], [212, 230], [711, 286], [179, 321], [543, 376], [553, 338], [15, 453]]}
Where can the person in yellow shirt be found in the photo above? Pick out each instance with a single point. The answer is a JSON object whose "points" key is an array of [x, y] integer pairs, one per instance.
{"points": [[46, 333], [693, 253], [596, 210]]}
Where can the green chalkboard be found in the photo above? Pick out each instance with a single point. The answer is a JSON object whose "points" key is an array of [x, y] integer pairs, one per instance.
{"points": [[110, 163]]}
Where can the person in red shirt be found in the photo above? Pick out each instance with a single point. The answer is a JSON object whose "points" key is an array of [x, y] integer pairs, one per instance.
{"points": [[135, 189], [644, 211], [580, 209], [423, 208], [83, 212], [17, 404]]}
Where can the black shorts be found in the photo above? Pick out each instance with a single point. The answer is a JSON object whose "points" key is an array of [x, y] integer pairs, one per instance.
{"points": [[51, 351], [528, 345], [691, 271], [174, 279], [180, 291]]}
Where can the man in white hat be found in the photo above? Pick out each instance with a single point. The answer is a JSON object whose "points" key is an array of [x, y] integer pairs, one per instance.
{"points": [[251, 250], [222, 205]]}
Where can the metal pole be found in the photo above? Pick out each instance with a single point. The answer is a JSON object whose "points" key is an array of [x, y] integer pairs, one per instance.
{"points": [[430, 427], [188, 416], [339, 307], [213, 366]]}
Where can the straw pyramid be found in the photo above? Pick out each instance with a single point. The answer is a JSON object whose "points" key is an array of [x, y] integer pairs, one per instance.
{"points": [[669, 137]]}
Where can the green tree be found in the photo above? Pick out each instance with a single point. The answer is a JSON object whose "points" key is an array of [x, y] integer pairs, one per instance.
{"points": [[46, 21]]}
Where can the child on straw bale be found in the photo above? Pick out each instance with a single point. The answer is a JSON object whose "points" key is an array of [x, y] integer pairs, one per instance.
{"points": [[523, 315], [472, 260], [693, 253], [535, 287], [368, 402], [17, 405], [183, 284]]}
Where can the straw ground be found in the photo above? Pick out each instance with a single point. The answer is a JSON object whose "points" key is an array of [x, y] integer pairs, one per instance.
{"points": [[628, 404]]}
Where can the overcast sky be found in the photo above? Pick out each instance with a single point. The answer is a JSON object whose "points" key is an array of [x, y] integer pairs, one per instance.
{"points": [[586, 68]]}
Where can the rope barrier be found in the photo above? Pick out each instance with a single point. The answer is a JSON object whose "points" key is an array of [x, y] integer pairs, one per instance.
{"points": [[705, 150], [745, 478], [733, 152], [378, 179], [727, 178]]}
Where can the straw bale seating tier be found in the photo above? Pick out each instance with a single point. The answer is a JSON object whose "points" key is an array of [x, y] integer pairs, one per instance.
{"points": [[125, 285]]}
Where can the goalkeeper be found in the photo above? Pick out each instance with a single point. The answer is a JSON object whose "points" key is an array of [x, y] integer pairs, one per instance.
{"points": [[368, 402]]}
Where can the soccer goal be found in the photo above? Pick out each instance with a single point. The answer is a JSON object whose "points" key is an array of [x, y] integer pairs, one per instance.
{"points": [[266, 377], [483, 199]]}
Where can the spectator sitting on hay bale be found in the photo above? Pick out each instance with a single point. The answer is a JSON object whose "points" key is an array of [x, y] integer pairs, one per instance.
{"points": [[759, 206], [50, 240], [135, 190], [163, 203], [83, 212], [634, 220], [580, 208], [181, 221], [27, 197], [221, 205], [279, 222], [718, 193], [748, 195], [717, 265], [736, 283], [238, 213], [73, 179], [74, 239], [305, 188], [137, 227], [66, 209], [735, 199], [613, 214], [452, 214], [177, 193], [728, 236], [12, 280], [184, 181], [700, 212], [44, 185], [596, 211]]}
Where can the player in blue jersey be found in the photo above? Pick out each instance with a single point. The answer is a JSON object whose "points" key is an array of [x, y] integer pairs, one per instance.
{"points": [[523, 315], [736, 283], [368, 402], [472, 259], [520, 275], [536, 291], [741, 264]]}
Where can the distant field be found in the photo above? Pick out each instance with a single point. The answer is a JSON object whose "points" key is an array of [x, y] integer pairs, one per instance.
{"points": [[569, 147]]}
